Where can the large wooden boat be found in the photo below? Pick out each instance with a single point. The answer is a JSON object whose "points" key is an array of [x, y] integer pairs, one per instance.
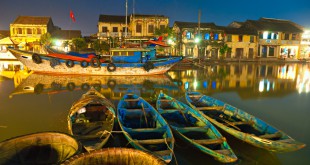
{"points": [[193, 128], [111, 156], [39, 148], [242, 125], [144, 127], [123, 61], [91, 120]]}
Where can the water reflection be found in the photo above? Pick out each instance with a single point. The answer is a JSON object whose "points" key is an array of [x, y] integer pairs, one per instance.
{"points": [[247, 79], [110, 86]]}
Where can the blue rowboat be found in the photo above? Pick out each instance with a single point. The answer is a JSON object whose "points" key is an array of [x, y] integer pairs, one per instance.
{"points": [[242, 125], [91, 120], [144, 127], [193, 128]]}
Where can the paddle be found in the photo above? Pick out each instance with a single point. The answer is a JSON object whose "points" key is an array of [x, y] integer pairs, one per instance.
{"points": [[144, 113]]}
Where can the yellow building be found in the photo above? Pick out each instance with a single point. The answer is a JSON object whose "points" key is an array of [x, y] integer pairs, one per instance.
{"points": [[242, 43], [112, 28], [27, 30]]}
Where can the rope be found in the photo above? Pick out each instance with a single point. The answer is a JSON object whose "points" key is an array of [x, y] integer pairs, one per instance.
{"points": [[175, 158]]}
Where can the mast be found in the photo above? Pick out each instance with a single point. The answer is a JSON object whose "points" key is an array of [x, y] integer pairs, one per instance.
{"points": [[126, 28]]}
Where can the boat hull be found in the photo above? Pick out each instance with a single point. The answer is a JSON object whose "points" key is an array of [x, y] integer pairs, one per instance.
{"points": [[60, 67], [266, 136]]}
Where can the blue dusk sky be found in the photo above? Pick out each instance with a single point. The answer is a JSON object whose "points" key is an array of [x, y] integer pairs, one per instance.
{"points": [[220, 12]]}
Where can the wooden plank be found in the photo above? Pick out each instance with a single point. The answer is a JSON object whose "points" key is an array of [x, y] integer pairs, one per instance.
{"points": [[154, 141], [132, 99], [165, 100], [224, 152], [210, 141], [243, 123], [195, 95], [163, 152], [271, 136], [210, 108]]}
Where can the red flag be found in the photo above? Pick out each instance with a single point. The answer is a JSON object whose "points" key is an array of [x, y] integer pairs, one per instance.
{"points": [[72, 16]]}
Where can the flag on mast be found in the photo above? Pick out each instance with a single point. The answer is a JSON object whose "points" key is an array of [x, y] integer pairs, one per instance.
{"points": [[72, 16]]}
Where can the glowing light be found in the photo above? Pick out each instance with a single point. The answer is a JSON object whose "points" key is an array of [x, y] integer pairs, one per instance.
{"points": [[58, 43], [261, 86], [197, 40], [186, 85], [265, 35], [195, 85]]}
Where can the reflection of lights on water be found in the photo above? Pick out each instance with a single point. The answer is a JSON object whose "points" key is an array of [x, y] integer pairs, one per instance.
{"points": [[195, 84], [186, 85], [213, 84], [287, 72], [303, 81], [205, 84], [267, 84]]}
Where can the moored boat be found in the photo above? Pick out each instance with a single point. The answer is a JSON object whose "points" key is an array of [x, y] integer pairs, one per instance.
{"points": [[144, 127], [39, 148], [91, 120], [242, 125], [191, 127], [123, 61], [111, 156]]}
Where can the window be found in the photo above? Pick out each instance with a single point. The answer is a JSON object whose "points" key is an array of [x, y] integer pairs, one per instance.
{"points": [[188, 35], [251, 39], [124, 29], [286, 36], [138, 28], [216, 36], [104, 29], [207, 36], [162, 27], [29, 31], [229, 38], [39, 31], [271, 51], [115, 29], [294, 36], [151, 28], [240, 38]]}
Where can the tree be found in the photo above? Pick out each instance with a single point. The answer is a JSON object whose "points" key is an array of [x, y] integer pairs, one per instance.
{"points": [[101, 46], [223, 50], [165, 32], [46, 39], [79, 43]]}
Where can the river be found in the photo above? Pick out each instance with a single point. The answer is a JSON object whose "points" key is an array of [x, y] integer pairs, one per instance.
{"points": [[276, 93]]}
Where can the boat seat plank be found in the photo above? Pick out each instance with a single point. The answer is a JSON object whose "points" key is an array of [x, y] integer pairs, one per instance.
{"points": [[132, 99], [210, 141], [166, 100], [242, 123], [154, 141], [195, 95], [162, 153], [187, 129], [147, 130], [210, 108], [271, 136], [224, 152]]}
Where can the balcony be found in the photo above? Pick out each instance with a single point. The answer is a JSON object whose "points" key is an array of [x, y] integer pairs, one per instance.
{"points": [[269, 42], [290, 42], [113, 34]]}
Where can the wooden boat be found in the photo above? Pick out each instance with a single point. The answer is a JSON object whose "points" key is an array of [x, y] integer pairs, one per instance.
{"points": [[123, 61], [193, 128], [91, 120], [144, 127], [115, 156], [242, 125], [39, 148]]}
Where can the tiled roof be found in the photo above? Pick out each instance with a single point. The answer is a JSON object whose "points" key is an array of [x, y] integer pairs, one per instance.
{"points": [[113, 18], [146, 15], [194, 25], [66, 34], [34, 20], [274, 25], [241, 30]]}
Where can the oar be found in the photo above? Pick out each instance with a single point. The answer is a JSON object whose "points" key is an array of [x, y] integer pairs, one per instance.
{"points": [[182, 113]]}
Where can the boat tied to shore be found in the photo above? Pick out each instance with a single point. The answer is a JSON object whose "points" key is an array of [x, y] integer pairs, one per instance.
{"points": [[193, 128], [242, 125], [91, 120], [144, 127], [122, 61]]}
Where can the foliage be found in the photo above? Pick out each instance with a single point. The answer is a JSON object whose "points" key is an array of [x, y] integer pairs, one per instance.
{"points": [[46, 39], [65, 44], [100, 46], [79, 43], [165, 32], [223, 50]]}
